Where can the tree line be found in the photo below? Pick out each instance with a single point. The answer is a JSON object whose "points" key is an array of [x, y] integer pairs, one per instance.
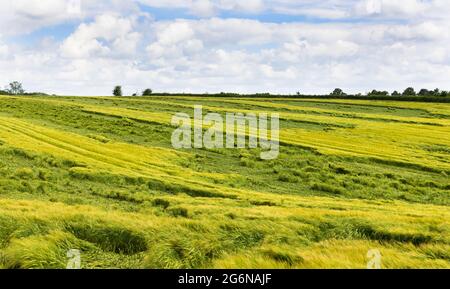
{"points": [[410, 91], [16, 88], [338, 92]]}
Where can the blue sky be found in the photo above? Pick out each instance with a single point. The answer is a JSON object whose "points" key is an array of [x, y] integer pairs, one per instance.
{"points": [[84, 47]]}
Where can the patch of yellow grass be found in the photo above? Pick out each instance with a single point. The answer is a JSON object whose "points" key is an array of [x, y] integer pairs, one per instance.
{"points": [[277, 223], [113, 157]]}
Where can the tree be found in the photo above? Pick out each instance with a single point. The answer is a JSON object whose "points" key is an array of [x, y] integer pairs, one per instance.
{"points": [[15, 87], [425, 92], [338, 92], [117, 90], [409, 92], [378, 93], [147, 92], [396, 93]]}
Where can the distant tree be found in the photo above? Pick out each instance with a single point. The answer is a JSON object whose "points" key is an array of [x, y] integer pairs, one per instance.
{"points": [[409, 92], [425, 92], [438, 92], [338, 92], [117, 90], [15, 87], [4, 92], [228, 94], [147, 92], [263, 94], [378, 93], [396, 93]]}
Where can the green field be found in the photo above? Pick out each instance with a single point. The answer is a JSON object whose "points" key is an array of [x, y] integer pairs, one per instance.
{"points": [[100, 175]]}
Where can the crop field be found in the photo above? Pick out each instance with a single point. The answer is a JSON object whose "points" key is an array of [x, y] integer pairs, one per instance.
{"points": [[100, 175]]}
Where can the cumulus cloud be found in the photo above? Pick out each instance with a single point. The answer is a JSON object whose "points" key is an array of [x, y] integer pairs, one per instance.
{"points": [[398, 8], [25, 16], [4, 49], [203, 8], [108, 34]]}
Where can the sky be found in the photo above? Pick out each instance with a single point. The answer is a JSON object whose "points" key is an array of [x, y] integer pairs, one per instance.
{"points": [[86, 47]]}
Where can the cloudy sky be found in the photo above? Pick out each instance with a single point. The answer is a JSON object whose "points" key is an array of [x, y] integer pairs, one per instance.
{"points": [[85, 47]]}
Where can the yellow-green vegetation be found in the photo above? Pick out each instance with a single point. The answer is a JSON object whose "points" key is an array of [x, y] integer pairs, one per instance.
{"points": [[100, 175]]}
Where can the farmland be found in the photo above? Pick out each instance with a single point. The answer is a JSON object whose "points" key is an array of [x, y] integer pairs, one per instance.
{"points": [[99, 174]]}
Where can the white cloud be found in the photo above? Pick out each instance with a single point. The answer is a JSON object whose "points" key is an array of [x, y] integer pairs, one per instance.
{"points": [[406, 9], [4, 49], [203, 8], [109, 33], [248, 6], [25, 16]]}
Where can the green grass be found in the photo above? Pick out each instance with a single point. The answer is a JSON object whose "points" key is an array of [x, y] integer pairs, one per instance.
{"points": [[100, 175]]}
